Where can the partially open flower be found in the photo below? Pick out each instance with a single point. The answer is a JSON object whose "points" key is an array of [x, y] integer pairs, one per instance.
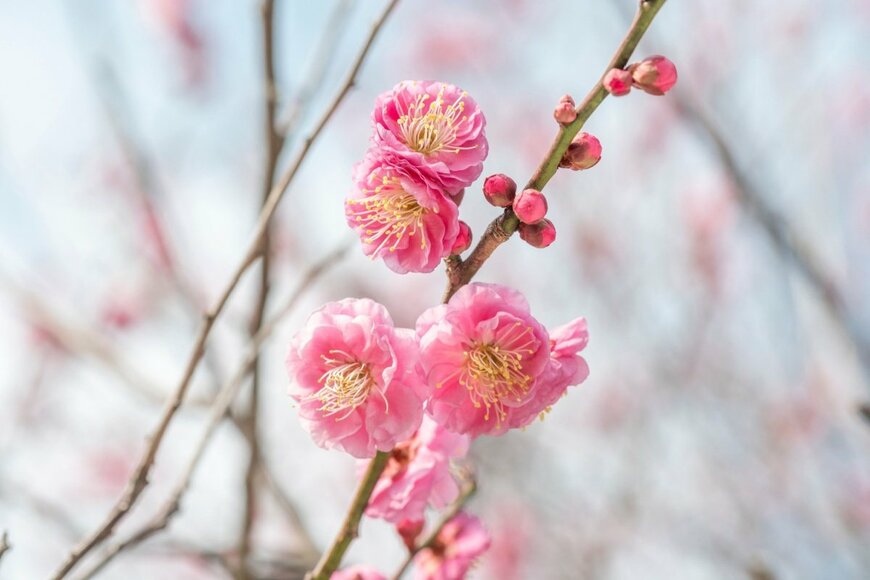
{"points": [[436, 127], [462, 540], [583, 152], [617, 82], [399, 216], [656, 75], [355, 378]]}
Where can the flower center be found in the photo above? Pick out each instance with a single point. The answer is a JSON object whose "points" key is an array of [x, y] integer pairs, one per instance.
{"points": [[432, 128], [346, 384], [389, 214], [493, 371]]}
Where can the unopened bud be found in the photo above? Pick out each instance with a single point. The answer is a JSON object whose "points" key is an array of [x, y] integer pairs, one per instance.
{"points": [[617, 82], [583, 152], [655, 75], [565, 112], [499, 190], [463, 240], [540, 234], [409, 530], [530, 206]]}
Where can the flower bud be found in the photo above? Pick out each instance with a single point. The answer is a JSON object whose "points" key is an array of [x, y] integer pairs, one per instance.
{"points": [[583, 152], [530, 206], [539, 234], [655, 75], [565, 112], [463, 240], [617, 82], [499, 190], [409, 530]]}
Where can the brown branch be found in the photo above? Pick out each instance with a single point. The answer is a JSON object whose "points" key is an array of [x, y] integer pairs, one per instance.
{"points": [[5, 546], [217, 413], [139, 480], [503, 227], [468, 490]]}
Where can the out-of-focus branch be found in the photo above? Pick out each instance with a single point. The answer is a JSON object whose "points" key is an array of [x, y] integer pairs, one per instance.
{"points": [[324, 55], [5, 546], [217, 412], [468, 490], [139, 481], [460, 272], [785, 239]]}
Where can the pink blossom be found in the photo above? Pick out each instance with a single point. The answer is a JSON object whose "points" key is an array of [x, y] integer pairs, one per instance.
{"points": [[530, 206], [481, 354], [499, 190], [436, 127], [617, 82], [457, 545], [656, 75], [539, 234], [565, 112], [358, 572], [584, 152], [417, 474], [399, 216], [354, 376], [463, 240]]}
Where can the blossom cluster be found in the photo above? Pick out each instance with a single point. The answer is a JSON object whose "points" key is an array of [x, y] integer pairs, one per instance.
{"points": [[428, 144]]}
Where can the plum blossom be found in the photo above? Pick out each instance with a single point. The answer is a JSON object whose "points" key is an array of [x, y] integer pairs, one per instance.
{"points": [[354, 376], [462, 540], [399, 216], [417, 474], [434, 126], [358, 572], [490, 365]]}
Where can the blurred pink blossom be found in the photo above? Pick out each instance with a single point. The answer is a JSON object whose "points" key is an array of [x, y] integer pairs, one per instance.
{"points": [[457, 545]]}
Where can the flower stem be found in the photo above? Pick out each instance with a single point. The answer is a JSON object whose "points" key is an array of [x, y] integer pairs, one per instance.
{"points": [[504, 226], [331, 559]]}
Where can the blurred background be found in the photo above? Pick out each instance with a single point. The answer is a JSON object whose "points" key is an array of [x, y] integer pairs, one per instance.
{"points": [[720, 251]]}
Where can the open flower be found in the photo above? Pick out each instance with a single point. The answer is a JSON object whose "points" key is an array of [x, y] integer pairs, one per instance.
{"points": [[417, 474], [437, 127], [457, 545], [490, 366], [399, 216], [353, 374]]}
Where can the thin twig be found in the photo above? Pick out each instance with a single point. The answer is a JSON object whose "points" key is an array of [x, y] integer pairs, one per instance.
{"points": [[468, 490], [5, 546], [139, 480], [331, 559], [504, 226], [218, 411]]}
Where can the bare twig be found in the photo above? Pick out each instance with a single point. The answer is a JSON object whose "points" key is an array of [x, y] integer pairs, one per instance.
{"points": [[139, 480], [504, 226], [331, 559], [468, 490], [5, 546], [218, 411]]}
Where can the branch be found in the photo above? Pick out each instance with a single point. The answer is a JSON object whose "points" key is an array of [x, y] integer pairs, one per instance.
{"points": [[503, 227], [218, 411], [5, 546], [139, 480], [331, 559], [468, 490]]}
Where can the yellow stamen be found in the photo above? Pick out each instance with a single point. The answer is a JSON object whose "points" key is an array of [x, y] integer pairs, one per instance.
{"points": [[388, 213], [346, 385], [432, 128]]}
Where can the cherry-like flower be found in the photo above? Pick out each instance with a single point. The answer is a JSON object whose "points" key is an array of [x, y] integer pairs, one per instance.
{"points": [[355, 378], [399, 216], [437, 127], [418, 474], [481, 354], [462, 540]]}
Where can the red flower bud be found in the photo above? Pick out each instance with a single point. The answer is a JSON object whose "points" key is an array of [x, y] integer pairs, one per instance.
{"points": [[655, 75], [463, 240], [530, 206], [617, 82], [539, 234], [499, 190], [583, 152], [565, 112]]}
